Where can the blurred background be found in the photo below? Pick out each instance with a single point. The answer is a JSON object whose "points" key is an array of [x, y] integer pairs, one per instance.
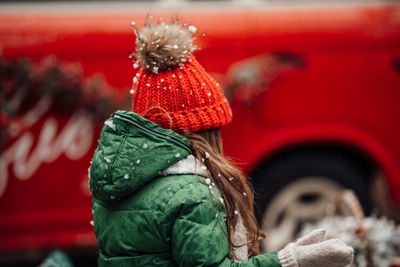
{"points": [[314, 88]]}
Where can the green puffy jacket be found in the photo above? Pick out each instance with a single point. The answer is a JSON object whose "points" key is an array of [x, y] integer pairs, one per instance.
{"points": [[142, 218]]}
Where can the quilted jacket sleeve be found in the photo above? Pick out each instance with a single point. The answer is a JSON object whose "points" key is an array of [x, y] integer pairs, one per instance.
{"points": [[198, 231]]}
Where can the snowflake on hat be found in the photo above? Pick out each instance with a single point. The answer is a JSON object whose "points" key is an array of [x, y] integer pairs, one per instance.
{"points": [[171, 88]]}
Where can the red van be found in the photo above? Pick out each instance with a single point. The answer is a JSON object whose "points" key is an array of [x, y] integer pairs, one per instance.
{"points": [[314, 90]]}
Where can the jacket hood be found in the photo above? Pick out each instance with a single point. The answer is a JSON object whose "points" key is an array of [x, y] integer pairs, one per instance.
{"points": [[131, 152]]}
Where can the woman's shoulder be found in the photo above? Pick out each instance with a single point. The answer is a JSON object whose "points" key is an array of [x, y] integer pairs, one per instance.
{"points": [[185, 176], [161, 191], [190, 194], [177, 192], [173, 185]]}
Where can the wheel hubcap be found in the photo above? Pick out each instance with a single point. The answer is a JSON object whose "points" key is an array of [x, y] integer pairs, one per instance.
{"points": [[302, 201]]}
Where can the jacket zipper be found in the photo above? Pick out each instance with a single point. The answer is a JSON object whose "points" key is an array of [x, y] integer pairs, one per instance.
{"points": [[148, 130]]}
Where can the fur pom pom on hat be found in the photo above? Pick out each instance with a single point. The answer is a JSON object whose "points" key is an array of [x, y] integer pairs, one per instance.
{"points": [[171, 88]]}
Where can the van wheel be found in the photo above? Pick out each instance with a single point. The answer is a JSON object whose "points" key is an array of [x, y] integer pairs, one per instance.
{"points": [[296, 188]]}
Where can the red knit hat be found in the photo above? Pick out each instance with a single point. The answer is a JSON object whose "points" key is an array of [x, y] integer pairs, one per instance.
{"points": [[172, 89]]}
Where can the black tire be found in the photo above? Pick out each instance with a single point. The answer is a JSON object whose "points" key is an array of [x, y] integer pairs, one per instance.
{"points": [[285, 169]]}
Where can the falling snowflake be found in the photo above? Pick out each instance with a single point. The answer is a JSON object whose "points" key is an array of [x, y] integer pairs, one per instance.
{"points": [[192, 28], [107, 159], [126, 176]]}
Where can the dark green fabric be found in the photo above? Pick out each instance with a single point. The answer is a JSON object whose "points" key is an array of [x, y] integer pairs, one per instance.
{"points": [[144, 219]]}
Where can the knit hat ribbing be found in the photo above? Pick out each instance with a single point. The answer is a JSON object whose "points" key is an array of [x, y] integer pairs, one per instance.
{"points": [[179, 95]]}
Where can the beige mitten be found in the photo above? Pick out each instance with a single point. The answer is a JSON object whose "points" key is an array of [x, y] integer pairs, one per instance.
{"points": [[312, 251]]}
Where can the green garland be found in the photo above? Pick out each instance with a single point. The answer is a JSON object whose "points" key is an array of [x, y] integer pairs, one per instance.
{"points": [[23, 84]]}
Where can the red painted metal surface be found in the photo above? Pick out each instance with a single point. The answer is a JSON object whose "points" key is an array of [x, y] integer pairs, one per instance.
{"points": [[347, 91]]}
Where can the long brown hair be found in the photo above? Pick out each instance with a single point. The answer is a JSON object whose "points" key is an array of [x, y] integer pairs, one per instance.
{"points": [[234, 186]]}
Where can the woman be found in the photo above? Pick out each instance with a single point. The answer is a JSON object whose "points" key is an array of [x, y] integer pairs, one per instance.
{"points": [[164, 194]]}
